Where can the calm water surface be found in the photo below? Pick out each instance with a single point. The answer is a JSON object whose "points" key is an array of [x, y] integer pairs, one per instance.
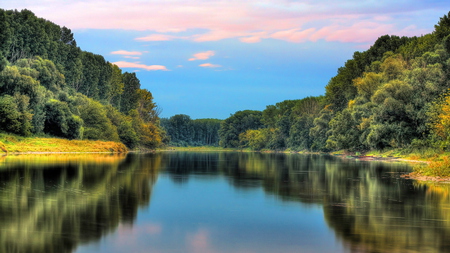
{"points": [[217, 202]]}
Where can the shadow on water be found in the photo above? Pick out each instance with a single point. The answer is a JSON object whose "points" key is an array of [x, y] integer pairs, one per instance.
{"points": [[55, 203]]}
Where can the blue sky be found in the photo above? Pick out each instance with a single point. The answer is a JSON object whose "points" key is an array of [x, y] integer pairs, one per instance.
{"points": [[209, 59]]}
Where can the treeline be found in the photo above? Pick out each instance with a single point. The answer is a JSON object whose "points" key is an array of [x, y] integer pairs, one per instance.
{"points": [[49, 86], [183, 131], [394, 95]]}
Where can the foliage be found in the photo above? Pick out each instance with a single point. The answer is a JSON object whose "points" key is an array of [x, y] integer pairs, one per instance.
{"points": [[50, 86], [182, 131], [9, 115], [59, 121], [236, 124], [97, 126]]}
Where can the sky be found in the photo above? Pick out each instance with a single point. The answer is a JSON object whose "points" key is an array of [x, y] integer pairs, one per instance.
{"points": [[211, 58]]}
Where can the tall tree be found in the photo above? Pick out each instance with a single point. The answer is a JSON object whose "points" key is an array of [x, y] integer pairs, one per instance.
{"points": [[130, 96]]}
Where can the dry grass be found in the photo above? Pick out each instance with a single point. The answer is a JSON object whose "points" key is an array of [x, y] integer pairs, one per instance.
{"points": [[17, 144], [436, 168]]}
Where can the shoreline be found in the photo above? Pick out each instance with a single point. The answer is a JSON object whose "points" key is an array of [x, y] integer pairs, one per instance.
{"points": [[11, 144], [38, 145]]}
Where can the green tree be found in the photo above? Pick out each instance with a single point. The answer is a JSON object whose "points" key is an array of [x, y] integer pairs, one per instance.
{"points": [[10, 118], [116, 86], [321, 129], [97, 126], [236, 124], [59, 121], [146, 107], [130, 97], [124, 124], [442, 28]]}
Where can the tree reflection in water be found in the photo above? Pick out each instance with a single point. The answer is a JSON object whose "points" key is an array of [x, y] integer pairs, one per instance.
{"points": [[51, 203], [367, 204], [54, 203]]}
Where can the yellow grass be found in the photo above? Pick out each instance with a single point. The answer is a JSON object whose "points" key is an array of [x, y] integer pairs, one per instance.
{"points": [[17, 144]]}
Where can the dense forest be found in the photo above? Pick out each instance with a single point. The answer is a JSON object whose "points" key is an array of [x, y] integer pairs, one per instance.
{"points": [[394, 95], [50, 87], [183, 131]]}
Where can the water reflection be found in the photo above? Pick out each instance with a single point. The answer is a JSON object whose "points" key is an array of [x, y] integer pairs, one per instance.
{"points": [[51, 203], [54, 203], [367, 204]]}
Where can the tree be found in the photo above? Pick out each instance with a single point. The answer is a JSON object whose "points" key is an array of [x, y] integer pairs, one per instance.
{"points": [[236, 124], [255, 139], [97, 125], [67, 37], [59, 121], [116, 86], [9, 115], [442, 28], [130, 97], [124, 124], [25, 115], [321, 129], [439, 121], [146, 107], [149, 134], [3, 62]]}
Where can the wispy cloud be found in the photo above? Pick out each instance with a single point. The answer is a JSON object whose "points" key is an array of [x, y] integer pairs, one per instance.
{"points": [[137, 65], [294, 21], [210, 65], [202, 56], [124, 52], [131, 57], [158, 37]]}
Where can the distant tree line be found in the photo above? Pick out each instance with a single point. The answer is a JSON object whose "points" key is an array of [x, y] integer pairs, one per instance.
{"points": [[49, 86], [394, 95], [183, 131]]}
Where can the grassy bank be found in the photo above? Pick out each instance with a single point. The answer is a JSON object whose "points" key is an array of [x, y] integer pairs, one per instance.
{"points": [[17, 144], [433, 164]]}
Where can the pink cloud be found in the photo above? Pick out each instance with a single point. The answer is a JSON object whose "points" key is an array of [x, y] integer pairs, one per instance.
{"points": [[131, 57], [216, 35], [252, 39], [157, 37], [202, 56], [123, 64], [293, 35], [210, 65], [293, 21], [123, 52], [360, 32]]}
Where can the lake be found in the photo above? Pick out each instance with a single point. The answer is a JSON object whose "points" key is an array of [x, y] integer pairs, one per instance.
{"points": [[217, 202]]}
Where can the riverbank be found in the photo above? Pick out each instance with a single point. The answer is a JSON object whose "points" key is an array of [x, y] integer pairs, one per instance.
{"points": [[429, 165], [12, 144]]}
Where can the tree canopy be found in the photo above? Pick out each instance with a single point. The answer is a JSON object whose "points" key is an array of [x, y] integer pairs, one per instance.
{"points": [[49, 86]]}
